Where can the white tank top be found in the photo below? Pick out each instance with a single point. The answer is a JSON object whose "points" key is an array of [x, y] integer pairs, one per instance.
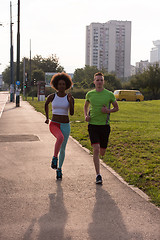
{"points": [[60, 105]]}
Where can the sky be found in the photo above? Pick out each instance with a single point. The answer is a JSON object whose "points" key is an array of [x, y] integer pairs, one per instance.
{"points": [[58, 27]]}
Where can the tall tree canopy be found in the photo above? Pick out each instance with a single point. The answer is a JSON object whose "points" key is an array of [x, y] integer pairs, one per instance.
{"points": [[38, 64], [148, 81], [83, 78]]}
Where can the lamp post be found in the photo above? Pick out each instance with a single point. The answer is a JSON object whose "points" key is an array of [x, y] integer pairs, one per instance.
{"points": [[18, 58], [30, 71], [1, 25], [11, 59]]}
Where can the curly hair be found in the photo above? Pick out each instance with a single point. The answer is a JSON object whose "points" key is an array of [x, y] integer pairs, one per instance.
{"points": [[61, 76]]}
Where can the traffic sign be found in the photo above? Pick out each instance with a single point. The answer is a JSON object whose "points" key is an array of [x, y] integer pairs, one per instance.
{"points": [[18, 83]]}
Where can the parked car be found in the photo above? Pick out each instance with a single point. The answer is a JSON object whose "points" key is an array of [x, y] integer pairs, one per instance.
{"points": [[128, 95]]}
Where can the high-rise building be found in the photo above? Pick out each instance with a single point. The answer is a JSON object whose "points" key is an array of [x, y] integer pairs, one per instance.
{"points": [[108, 46], [155, 52], [0, 81], [142, 66]]}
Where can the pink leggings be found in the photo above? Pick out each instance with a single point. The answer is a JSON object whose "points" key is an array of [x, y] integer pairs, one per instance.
{"points": [[61, 131]]}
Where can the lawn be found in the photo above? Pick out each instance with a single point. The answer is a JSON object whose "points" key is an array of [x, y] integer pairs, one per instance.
{"points": [[134, 144]]}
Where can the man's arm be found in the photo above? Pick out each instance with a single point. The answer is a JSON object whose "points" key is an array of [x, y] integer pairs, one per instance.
{"points": [[87, 117], [114, 109]]}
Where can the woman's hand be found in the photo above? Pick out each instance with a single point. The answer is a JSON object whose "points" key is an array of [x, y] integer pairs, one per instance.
{"points": [[71, 103], [70, 98]]}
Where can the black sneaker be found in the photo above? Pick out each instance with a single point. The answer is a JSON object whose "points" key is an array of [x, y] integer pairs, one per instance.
{"points": [[59, 174], [99, 179], [54, 163]]}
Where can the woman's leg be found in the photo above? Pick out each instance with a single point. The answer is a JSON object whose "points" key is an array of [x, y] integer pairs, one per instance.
{"points": [[56, 131], [65, 128]]}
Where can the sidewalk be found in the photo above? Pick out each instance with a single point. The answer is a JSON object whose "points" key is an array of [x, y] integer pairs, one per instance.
{"points": [[34, 205], [4, 98]]}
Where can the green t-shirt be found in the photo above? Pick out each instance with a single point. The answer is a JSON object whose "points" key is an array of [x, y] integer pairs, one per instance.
{"points": [[97, 100]]}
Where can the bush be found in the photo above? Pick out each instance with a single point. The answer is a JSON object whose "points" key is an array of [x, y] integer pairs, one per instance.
{"points": [[33, 91], [48, 91], [79, 93], [148, 95]]}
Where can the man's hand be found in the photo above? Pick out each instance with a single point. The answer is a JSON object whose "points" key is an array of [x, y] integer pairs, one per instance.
{"points": [[87, 118], [104, 109]]}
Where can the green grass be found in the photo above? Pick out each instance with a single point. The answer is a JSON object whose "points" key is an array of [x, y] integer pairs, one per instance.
{"points": [[134, 144]]}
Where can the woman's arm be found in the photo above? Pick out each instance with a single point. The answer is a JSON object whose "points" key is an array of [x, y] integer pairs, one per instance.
{"points": [[71, 103], [49, 99]]}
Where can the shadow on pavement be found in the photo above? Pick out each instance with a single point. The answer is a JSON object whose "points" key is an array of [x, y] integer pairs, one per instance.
{"points": [[52, 224], [107, 219]]}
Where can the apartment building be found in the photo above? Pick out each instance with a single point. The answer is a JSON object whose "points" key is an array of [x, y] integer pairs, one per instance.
{"points": [[108, 46], [155, 52], [142, 66]]}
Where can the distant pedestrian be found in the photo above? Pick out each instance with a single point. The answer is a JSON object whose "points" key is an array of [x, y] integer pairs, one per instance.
{"points": [[62, 104], [98, 117]]}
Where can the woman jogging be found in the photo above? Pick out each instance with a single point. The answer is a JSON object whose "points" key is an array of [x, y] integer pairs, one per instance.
{"points": [[62, 103]]}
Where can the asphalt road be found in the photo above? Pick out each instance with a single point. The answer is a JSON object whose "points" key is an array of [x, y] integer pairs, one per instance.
{"points": [[34, 205]]}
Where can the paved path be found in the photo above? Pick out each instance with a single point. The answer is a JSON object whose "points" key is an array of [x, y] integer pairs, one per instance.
{"points": [[33, 205], [4, 97]]}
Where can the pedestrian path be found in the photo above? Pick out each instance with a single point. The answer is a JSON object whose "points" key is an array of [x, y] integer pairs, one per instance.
{"points": [[33, 205], [4, 97]]}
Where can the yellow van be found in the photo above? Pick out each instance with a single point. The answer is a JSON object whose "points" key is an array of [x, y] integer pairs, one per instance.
{"points": [[128, 95]]}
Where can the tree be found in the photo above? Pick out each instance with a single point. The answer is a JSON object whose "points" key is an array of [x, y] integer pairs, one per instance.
{"points": [[148, 82], [6, 76], [112, 82], [153, 80], [79, 75], [85, 74], [37, 75], [50, 64], [138, 81]]}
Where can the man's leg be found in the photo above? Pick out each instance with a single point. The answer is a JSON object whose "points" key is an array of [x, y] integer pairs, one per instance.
{"points": [[96, 152], [104, 136], [102, 151]]}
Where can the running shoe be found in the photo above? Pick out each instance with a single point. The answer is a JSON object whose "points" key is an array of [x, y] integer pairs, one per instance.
{"points": [[99, 179], [54, 163], [59, 174]]}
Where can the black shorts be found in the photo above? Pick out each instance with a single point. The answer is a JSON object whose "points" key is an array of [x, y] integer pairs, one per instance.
{"points": [[99, 134]]}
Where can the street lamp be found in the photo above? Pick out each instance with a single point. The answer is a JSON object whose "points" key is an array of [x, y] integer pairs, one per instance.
{"points": [[18, 58], [11, 59]]}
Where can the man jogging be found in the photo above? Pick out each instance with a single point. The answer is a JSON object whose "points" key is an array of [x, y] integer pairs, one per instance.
{"points": [[98, 117]]}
